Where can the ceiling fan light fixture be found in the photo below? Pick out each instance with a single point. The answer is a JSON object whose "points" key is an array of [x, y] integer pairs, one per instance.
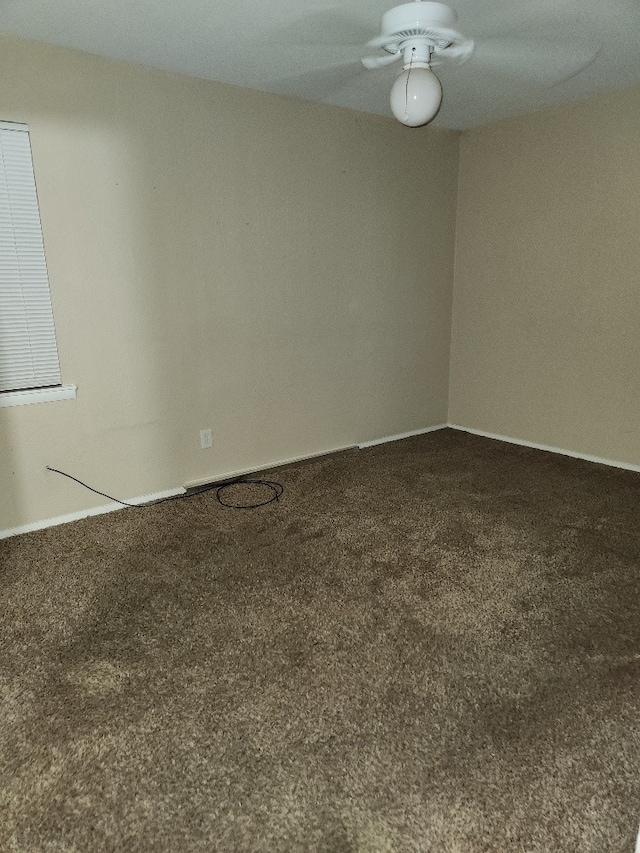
{"points": [[422, 35], [416, 96]]}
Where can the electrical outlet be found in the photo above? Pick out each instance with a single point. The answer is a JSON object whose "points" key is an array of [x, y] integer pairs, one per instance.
{"points": [[206, 438]]}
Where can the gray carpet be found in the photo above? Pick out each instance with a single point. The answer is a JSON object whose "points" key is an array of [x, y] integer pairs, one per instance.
{"points": [[430, 645]]}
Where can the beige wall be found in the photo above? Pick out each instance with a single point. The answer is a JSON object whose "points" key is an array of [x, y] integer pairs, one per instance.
{"points": [[546, 328], [276, 270]]}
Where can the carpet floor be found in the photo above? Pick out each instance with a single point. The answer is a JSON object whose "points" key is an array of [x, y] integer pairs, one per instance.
{"points": [[429, 645]]}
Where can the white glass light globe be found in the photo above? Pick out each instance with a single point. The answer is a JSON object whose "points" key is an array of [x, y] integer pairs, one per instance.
{"points": [[416, 96]]}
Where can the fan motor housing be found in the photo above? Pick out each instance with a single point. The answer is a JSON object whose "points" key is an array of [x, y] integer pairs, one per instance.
{"points": [[417, 16]]}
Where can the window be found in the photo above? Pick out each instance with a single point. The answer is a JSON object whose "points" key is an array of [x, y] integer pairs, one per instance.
{"points": [[29, 367]]}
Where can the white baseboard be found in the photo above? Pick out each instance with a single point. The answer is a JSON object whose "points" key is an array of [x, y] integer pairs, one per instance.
{"points": [[229, 475], [628, 466], [243, 472], [401, 435], [85, 513], [169, 493]]}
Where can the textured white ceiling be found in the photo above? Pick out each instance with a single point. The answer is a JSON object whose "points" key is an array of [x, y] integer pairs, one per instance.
{"points": [[312, 51]]}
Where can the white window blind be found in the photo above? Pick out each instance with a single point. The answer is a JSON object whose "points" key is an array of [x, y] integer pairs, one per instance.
{"points": [[28, 351]]}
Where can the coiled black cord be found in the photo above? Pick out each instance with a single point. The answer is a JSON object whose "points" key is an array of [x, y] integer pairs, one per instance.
{"points": [[276, 492]]}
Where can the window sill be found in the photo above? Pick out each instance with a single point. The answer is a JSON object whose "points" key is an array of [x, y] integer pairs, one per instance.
{"points": [[37, 395]]}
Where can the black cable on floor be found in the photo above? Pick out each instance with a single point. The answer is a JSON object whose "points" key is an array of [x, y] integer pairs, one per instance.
{"points": [[276, 491], [276, 488]]}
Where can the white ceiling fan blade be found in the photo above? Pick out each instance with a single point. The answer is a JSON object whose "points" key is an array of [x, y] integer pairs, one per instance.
{"points": [[325, 26], [377, 42], [559, 20], [319, 82], [373, 62], [544, 63]]}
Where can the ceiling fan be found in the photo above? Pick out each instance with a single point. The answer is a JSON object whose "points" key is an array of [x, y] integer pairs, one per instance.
{"points": [[420, 34], [542, 49]]}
